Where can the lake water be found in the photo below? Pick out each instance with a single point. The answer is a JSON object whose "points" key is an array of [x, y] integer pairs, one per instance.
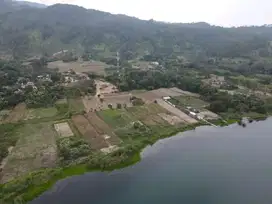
{"points": [[229, 165]]}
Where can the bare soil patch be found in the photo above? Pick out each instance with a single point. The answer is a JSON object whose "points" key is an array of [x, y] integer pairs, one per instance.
{"points": [[88, 132], [63, 130], [35, 149], [18, 113]]}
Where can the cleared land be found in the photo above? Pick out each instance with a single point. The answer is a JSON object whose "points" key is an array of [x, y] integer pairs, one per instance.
{"points": [[176, 111], [18, 113], [63, 130], [103, 129], [89, 133], [103, 87], [35, 149], [96, 67]]}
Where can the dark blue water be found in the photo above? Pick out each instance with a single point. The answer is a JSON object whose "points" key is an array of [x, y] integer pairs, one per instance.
{"points": [[230, 165]]}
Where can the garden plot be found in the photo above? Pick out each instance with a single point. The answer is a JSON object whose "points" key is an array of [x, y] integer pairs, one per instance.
{"points": [[116, 118], [186, 118], [35, 149], [63, 130], [89, 133], [171, 119], [103, 129]]}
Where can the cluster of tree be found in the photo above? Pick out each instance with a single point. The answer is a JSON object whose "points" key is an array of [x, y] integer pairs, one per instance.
{"points": [[72, 148], [44, 96]]}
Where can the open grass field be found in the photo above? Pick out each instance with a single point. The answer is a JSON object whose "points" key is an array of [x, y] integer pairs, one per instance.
{"points": [[116, 118], [96, 67], [186, 101], [89, 133], [41, 113], [102, 128], [36, 148]]}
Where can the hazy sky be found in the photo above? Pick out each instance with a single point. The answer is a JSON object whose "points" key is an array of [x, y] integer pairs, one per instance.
{"points": [[217, 12]]}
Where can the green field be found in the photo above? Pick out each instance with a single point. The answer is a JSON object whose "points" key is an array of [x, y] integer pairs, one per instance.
{"points": [[116, 118], [76, 105], [42, 113], [186, 101]]}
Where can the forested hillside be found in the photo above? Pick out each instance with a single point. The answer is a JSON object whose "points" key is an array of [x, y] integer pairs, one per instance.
{"points": [[28, 31]]}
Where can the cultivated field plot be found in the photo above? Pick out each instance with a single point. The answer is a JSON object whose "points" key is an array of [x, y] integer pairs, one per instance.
{"points": [[96, 67], [103, 129], [63, 130], [89, 133], [41, 113], [171, 119], [176, 112], [114, 99], [18, 113], [149, 114], [116, 118], [190, 101], [35, 149]]}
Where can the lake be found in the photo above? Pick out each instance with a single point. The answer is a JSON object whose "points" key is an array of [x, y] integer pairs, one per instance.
{"points": [[209, 165]]}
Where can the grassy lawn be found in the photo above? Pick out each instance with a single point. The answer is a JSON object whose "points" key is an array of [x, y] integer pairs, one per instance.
{"points": [[116, 118]]}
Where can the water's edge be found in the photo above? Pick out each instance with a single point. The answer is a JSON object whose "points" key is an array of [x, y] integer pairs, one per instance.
{"points": [[34, 191]]}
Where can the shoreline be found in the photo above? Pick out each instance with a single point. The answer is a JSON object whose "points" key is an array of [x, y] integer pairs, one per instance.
{"points": [[28, 189]]}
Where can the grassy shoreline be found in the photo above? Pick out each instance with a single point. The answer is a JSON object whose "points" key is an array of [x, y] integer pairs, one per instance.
{"points": [[29, 187]]}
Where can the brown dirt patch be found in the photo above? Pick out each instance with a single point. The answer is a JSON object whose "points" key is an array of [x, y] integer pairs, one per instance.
{"points": [[88, 132], [63, 130], [18, 113]]}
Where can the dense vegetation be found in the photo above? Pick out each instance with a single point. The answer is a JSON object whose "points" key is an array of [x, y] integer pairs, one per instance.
{"points": [[30, 30]]}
